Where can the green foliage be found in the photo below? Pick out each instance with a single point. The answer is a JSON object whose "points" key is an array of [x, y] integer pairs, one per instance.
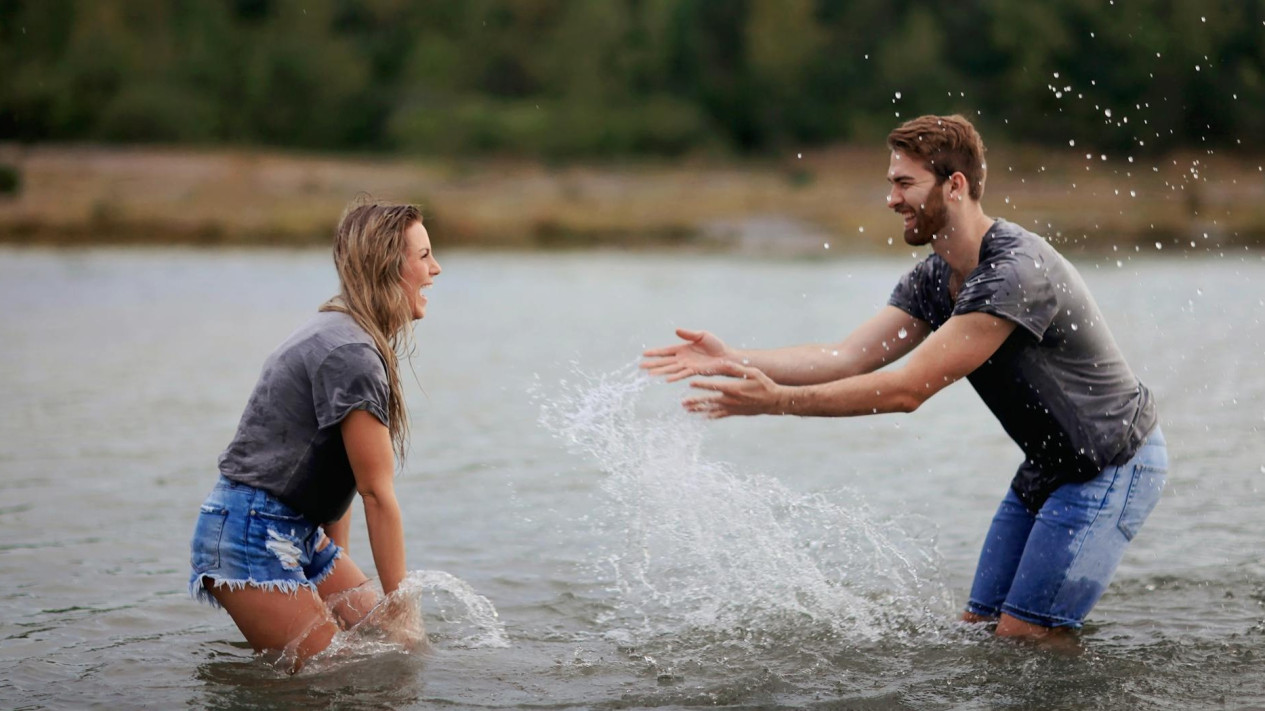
{"points": [[571, 78], [10, 179]]}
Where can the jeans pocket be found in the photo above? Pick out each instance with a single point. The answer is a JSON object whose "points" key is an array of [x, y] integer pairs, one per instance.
{"points": [[206, 538], [1144, 493]]}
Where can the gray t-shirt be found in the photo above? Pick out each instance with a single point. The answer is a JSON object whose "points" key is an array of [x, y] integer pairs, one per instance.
{"points": [[1059, 384], [288, 442]]}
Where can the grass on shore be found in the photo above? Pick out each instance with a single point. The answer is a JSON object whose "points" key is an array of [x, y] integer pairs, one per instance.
{"points": [[94, 195]]}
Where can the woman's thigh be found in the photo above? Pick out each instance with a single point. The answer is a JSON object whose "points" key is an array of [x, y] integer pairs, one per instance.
{"points": [[296, 623], [347, 592]]}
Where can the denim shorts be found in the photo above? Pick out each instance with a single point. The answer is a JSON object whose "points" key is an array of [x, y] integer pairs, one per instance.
{"points": [[1050, 568], [245, 536]]}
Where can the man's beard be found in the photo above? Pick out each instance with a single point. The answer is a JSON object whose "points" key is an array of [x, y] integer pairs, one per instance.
{"points": [[929, 220]]}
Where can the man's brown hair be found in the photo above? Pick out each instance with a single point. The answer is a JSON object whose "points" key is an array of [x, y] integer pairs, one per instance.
{"points": [[946, 145]]}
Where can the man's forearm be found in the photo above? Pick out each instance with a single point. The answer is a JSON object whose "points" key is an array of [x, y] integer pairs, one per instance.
{"points": [[809, 364], [869, 394]]}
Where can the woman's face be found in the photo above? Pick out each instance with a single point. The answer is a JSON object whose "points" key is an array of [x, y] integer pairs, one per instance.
{"points": [[420, 268]]}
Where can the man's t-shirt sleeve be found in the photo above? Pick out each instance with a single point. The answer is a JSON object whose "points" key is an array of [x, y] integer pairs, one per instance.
{"points": [[911, 293], [351, 377], [1014, 287]]}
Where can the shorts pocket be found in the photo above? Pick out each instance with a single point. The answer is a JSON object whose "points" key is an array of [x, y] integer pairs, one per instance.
{"points": [[1144, 494], [206, 538]]}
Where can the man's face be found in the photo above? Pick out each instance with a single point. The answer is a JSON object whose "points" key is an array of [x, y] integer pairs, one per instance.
{"points": [[918, 198]]}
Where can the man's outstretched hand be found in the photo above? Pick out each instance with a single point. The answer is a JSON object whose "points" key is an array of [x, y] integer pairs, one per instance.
{"points": [[700, 353], [748, 392]]}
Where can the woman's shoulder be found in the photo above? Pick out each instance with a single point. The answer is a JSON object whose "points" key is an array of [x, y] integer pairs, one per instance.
{"points": [[327, 333]]}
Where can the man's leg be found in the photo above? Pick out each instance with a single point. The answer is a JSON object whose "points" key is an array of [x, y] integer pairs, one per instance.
{"points": [[1077, 542], [999, 559]]}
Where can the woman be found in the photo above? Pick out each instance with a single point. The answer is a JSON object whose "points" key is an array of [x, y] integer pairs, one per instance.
{"points": [[325, 421]]}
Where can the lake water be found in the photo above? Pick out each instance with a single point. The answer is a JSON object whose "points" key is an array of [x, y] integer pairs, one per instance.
{"points": [[578, 541]]}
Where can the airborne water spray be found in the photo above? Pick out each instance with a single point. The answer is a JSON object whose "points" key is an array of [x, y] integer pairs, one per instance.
{"points": [[695, 545]]}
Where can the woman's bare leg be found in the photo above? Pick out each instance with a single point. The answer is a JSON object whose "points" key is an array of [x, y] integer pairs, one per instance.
{"points": [[279, 621], [347, 593]]}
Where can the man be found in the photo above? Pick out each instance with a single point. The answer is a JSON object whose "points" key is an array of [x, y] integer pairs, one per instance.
{"points": [[997, 305]]}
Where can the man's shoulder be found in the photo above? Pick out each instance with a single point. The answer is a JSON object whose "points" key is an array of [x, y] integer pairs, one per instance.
{"points": [[1006, 239]]}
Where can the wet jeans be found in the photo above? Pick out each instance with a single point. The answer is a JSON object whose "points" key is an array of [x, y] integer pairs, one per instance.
{"points": [[1050, 568]]}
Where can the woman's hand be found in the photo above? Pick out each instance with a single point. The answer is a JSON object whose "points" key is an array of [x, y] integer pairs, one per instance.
{"points": [[700, 353], [750, 392]]}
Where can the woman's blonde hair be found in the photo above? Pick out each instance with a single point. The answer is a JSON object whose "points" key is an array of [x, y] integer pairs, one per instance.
{"points": [[369, 253]]}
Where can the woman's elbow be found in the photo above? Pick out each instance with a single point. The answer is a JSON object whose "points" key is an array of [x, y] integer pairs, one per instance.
{"points": [[377, 497]]}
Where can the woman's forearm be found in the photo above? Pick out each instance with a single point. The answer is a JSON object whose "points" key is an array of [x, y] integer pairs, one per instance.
{"points": [[386, 538]]}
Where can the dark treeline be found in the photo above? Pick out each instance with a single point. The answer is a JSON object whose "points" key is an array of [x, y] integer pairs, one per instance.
{"points": [[565, 78]]}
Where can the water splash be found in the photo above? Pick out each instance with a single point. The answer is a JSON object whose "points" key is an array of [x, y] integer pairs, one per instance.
{"points": [[697, 545], [458, 618], [462, 617]]}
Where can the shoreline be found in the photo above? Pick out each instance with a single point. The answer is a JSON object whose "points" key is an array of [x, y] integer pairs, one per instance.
{"points": [[89, 195]]}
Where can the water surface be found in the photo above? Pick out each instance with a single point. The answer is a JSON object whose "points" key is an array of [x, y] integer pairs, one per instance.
{"points": [[633, 557]]}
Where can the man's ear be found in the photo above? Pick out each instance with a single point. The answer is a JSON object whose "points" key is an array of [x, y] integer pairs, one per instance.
{"points": [[958, 187]]}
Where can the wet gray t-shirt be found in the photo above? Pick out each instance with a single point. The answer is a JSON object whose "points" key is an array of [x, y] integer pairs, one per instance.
{"points": [[1059, 384], [288, 442]]}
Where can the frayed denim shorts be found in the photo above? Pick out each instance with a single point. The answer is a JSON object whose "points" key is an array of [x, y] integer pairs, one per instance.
{"points": [[1050, 568], [245, 536]]}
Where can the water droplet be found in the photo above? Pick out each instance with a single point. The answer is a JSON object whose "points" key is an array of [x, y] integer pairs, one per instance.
{"points": [[898, 95], [799, 155], [1119, 263], [826, 245], [1133, 193], [1159, 246], [861, 229], [902, 333], [1075, 327], [1072, 142]]}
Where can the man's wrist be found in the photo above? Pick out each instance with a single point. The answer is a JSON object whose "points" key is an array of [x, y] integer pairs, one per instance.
{"points": [[787, 399]]}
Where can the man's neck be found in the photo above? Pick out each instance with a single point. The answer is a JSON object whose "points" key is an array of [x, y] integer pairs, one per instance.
{"points": [[960, 246]]}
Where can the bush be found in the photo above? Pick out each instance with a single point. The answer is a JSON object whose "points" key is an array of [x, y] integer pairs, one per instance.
{"points": [[550, 129], [10, 179]]}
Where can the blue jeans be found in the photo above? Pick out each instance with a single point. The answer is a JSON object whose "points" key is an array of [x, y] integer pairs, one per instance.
{"points": [[1050, 568], [245, 536]]}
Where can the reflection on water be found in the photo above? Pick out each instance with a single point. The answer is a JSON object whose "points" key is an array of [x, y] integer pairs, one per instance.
{"points": [[390, 679], [619, 554]]}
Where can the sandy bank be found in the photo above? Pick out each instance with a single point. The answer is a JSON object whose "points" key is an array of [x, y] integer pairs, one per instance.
{"points": [[108, 195]]}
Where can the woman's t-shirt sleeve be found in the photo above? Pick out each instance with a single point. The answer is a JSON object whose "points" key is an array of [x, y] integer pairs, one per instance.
{"points": [[352, 377]]}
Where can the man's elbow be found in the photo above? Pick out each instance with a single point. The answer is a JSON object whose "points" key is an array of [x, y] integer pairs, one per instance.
{"points": [[910, 400]]}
